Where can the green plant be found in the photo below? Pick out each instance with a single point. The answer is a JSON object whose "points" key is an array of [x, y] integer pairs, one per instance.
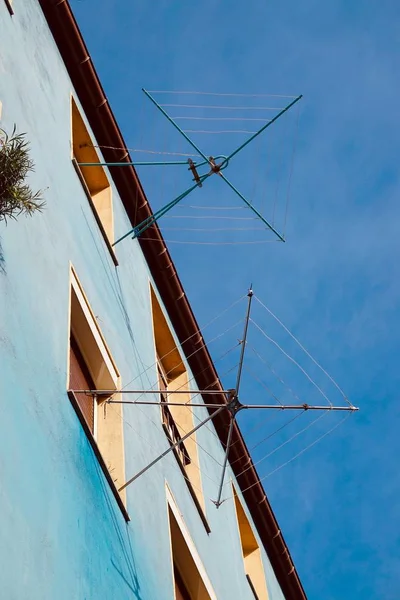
{"points": [[16, 196]]}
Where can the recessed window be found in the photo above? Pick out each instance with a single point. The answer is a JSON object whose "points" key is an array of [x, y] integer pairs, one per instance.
{"points": [[253, 566], [190, 578], [181, 591], [176, 420], [170, 426], [91, 373], [93, 178]]}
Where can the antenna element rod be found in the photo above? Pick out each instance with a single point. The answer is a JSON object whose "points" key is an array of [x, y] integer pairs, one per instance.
{"points": [[112, 392], [182, 404], [299, 407], [228, 446], [175, 125], [265, 126], [244, 342], [171, 448]]}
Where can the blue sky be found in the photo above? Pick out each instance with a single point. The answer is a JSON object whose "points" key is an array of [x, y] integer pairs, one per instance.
{"points": [[335, 283]]}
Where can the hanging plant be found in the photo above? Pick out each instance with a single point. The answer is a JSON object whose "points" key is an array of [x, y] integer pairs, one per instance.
{"points": [[16, 196]]}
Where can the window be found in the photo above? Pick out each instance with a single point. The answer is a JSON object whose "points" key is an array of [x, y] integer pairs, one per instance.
{"points": [[176, 420], [190, 578], [80, 379], [181, 591], [170, 427], [9, 6], [93, 179], [251, 553], [91, 367]]}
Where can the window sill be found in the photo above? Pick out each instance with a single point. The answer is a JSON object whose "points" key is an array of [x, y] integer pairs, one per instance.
{"points": [[97, 452], [9, 6], [189, 485], [92, 206]]}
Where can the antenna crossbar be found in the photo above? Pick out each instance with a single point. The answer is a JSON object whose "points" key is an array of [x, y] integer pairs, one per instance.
{"points": [[350, 408], [111, 392]]}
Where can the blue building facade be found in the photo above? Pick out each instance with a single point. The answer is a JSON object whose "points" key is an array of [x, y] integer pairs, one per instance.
{"points": [[66, 531]]}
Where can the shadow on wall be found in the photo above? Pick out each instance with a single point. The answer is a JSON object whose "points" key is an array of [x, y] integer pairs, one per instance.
{"points": [[2, 261], [113, 277], [132, 585], [127, 567]]}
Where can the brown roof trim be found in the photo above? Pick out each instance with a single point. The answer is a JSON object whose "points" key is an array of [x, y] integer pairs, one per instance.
{"points": [[105, 128]]}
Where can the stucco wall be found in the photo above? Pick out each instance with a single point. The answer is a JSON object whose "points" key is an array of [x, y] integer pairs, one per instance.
{"points": [[62, 533]]}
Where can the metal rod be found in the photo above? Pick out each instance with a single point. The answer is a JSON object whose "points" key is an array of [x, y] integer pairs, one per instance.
{"points": [[198, 392], [171, 448], [298, 407], [228, 446], [144, 403], [244, 341], [265, 126], [148, 222], [162, 211], [157, 391], [259, 215], [134, 164], [195, 392], [187, 138]]}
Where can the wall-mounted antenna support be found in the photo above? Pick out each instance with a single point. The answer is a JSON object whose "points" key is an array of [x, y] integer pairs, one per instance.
{"points": [[233, 406], [215, 168]]}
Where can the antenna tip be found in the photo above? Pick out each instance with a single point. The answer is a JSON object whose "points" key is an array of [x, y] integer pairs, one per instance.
{"points": [[250, 292]]}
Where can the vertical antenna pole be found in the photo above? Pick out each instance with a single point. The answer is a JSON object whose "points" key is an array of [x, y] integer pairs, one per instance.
{"points": [[244, 342], [234, 406]]}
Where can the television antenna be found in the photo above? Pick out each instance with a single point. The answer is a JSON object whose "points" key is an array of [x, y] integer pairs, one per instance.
{"points": [[233, 405], [200, 171]]}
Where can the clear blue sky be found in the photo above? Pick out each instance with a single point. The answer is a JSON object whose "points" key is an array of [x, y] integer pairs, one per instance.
{"points": [[336, 282]]}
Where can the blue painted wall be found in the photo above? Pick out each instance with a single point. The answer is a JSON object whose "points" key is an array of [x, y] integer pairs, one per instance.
{"points": [[62, 533]]}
